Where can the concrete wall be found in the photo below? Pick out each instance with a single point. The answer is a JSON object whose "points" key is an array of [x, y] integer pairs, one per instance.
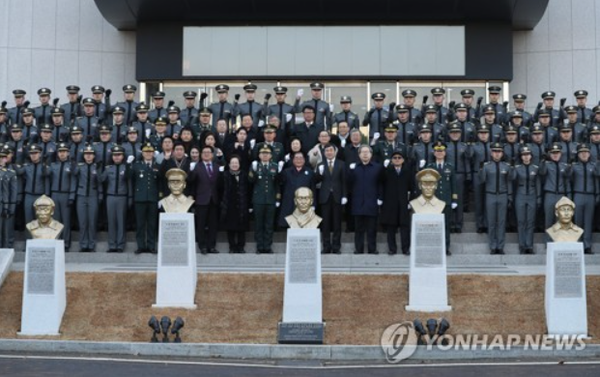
{"points": [[54, 43], [560, 54]]}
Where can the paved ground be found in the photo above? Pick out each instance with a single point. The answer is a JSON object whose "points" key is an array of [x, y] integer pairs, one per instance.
{"points": [[40, 366]]}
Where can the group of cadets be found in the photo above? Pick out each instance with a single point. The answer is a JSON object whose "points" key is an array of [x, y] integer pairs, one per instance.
{"points": [[245, 159]]}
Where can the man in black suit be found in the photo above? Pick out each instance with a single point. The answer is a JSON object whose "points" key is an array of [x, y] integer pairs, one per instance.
{"points": [[331, 172]]}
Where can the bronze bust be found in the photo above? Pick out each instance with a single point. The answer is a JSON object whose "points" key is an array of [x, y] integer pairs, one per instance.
{"points": [[564, 230], [176, 202], [44, 227], [304, 215], [427, 202]]}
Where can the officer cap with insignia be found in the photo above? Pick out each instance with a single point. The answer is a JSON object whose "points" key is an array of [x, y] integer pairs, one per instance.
{"points": [[104, 129], [583, 147], [571, 109], [62, 146], [265, 149], [57, 111], [494, 89], [409, 93], [117, 149], [516, 114], [88, 102], [148, 147], [519, 97], [460, 106], [19, 93], [548, 95], [118, 110], [565, 128], [270, 128], [595, 129], [221, 88], [391, 127], [428, 175], [88, 149], [581, 94], [467, 92], [34, 148], [98, 89], [317, 86], [510, 129], [537, 129], [402, 108], [497, 147], [280, 89], [205, 110], [158, 95], [345, 99], [132, 130], [142, 108], [190, 94], [543, 113], [3, 110], [430, 109], [250, 88], [483, 128], [76, 130], [16, 128], [73, 89], [173, 110], [3, 152], [399, 151], [46, 127], [424, 128], [439, 146], [160, 120], [378, 96], [44, 92], [454, 127], [525, 149], [7, 149], [555, 148], [489, 109], [129, 88], [26, 111], [596, 109], [438, 91]]}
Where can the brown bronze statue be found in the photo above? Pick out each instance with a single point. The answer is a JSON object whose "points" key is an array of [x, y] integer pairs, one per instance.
{"points": [[427, 202], [304, 215], [176, 202], [44, 227], [564, 230]]}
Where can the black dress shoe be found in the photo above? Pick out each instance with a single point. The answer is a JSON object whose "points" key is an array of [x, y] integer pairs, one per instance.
{"points": [[588, 251], [213, 251], [374, 252], [480, 230], [242, 251], [204, 251], [119, 250], [500, 251], [140, 251], [258, 251], [448, 252], [111, 250], [358, 252], [391, 252], [493, 251], [337, 251], [458, 230], [269, 251], [84, 250], [152, 251], [406, 252]]}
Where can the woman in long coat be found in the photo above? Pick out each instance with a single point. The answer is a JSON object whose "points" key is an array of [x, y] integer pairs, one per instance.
{"points": [[235, 205]]}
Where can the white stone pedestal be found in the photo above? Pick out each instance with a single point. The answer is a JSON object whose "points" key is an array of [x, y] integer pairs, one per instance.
{"points": [[6, 259], [428, 286], [44, 288], [566, 302], [177, 273]]}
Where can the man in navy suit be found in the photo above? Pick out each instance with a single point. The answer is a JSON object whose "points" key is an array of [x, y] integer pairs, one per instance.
{"points": [[206, 176]]}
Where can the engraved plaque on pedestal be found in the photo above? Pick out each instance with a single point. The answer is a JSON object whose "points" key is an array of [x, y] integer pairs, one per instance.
{"points": [[40, 270], [429, 243], [174, 242]]}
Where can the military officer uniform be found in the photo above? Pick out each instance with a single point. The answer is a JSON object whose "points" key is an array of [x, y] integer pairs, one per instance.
{"points": [[458, 154], [557, 176], [322, 108], [174, 128], [479, 153], [407, 131], [377, 117], [471, 111], [102, 149], [128, 106], [277, 149], [132, 148], [60, 131], [89, 193], [440, 110], [467, 128], [60, 175], [189, 114], [71, 110], [538, 150], [347, 116], [495, 177], [579, 130], [43, 112], [438, 130], [586, 193], [119, 131], [568, 147], [415, 117], [496, 130], [511, 149], [88, 124], [224, 109], [157, 112], [101, 110], [144, 129], [422, 152], [14, 113], [9, 190], [34, 179], [30, 130], [118, 200], [499, 110], [19, 147], [527, 192], [48, 147], [250, 107], [145, 176], [553, 113], [584, 114], [383, 149]]}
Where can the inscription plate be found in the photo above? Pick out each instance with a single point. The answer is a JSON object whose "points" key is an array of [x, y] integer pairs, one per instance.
{"points": [[40, 270], [429, 243], [174, 243], [567, 274], [303, 263], [300, 333]]}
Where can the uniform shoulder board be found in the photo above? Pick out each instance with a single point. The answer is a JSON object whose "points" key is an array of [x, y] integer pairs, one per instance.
{"points": [[517, 166], [79, 117], [81, 164], [487, 162]]}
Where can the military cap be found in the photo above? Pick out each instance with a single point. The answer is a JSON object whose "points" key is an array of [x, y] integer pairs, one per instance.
{"points": [[76, 130], [58, 111], [516, 114], [543, 113], [494, 89], [378, 96], [265, 149], [142, 108], [439, 146], [564, 201], [118, 110], [565, 128], [6, 148], [398, 151], [158, 95], [548, 94], [26, 111], [402, 108], [3, 110], [173, 109], [148, 147], [43, 201], [317, 86], [519, 97], [104, 128], [176, 171], [190, 94], [454, 127], [89, 149], [555, 148], [160, 120], [583, 147], [98, 89], [280, 89], [132, 130], [438, 91], [129, 88], [44, 92], [497, 147], [3, 152], [525, 150], [596, 109], [430, 109], [73, 89], [428, 175], [221, 88], [62, 147], [270, 128], [345, 99], [571, 109], [19, 93], [467, 92], [424, 128], [88, 102], [16, 128], [250, 88], [510, 129], [205, 110], [409, 93], [483, 128], [489, 109], [580, 94], [391, 127], [460, 106], [46, 128], [595, 129], [34, 148], [117, 149]]}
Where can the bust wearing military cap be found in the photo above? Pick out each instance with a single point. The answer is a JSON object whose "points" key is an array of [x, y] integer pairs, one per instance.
{"points": [[427, 202], [564, 230], [44, 227], [176, 202]]}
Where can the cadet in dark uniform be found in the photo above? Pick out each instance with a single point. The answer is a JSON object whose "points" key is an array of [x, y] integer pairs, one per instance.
{"points": [[88, 122], [446, 188], [467, 128], [467, 100], [523, 131], [89, 193], [495, 177], [190, 112], [586, 193], [557, 176], [527, 192], [434, 124], [119, 127], [144, 175], [277, 149], [568, 147], [512, 146], [519, 102], [480, 153], [72, 109], [458, 154], [77, 145], [422, 152], [548, 107], [30, 130], [60, 176], [347, 115], [489, 119], [407, 130], [118, 199], [414, 115], [538, 147], [42, 112], [101, 109], [129, 104], [438, 102], [9, 189], [550, 132], [34, 180], [584, 114], [322, 108], [222, 109], [174, 125], [579, 130], [48, 146], [14, 113], [382, 150], [499, 109], [250, 107], [142, 125], [61, 131], [377, 117], [102, 149], [158, 110]]}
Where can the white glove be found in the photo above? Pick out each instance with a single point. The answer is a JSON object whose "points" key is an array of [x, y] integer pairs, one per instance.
{"points": [[386, 163], [409, 206], [454, 205], [300, 92], [252, 143], [421, 163], [261, 123], [148, 132], [255, 165], [156, 153], [277, 204], [159, 205], [331, 107], [192, 165], [287, 157], [221, 169], [352, 165], [288, 118], [249, 210], [376, 135], [130, 159], [321, 169], [344, 201], [379, 202], [280, 166], [343, 143]]}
